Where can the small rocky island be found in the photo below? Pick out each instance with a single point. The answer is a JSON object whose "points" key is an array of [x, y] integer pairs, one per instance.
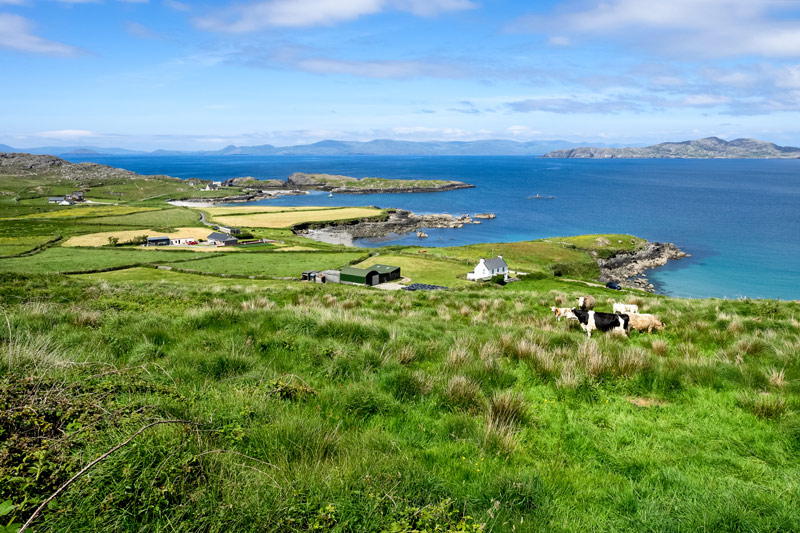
{"points": [[349, 185]]}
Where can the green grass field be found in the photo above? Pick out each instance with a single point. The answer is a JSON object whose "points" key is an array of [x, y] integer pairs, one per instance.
{"points": [[273, 264], [58, 259], [424, 270], [324, 407]]}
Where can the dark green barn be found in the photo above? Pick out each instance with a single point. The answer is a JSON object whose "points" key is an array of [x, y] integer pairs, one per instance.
{"points": [[372, 275]]}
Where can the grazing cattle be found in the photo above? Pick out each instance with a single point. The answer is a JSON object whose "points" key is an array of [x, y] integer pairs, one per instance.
{"points": [[566, 312], [645, 322], [626, 308], [592, 320], [586, 302]]}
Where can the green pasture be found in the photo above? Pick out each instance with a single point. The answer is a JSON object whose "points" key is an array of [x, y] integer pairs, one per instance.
{"points": [[525, 256], [424, 270], [165, 218], [273, 264], [327, 407], [58, 259], [146, 276]]}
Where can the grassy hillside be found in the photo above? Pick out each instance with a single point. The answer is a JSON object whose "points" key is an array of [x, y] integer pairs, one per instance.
{"points": [[296, 407]]}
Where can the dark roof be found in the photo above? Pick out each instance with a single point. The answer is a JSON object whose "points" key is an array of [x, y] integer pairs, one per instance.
{"points": [[149, 239], [353, 271], [217, 236], [55, 198], [384, 269], [495, 263]]}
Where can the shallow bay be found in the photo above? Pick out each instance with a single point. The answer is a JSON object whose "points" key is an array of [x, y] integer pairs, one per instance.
{"points": [[740, 219]]}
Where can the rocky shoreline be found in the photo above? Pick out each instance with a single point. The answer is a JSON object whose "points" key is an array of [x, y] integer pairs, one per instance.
{"points": [[398, 222], [627, 269]]}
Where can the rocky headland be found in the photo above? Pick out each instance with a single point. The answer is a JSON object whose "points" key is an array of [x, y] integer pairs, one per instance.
{"points": [[20, 164], [708, 148], [627, 269], [398, 222]]}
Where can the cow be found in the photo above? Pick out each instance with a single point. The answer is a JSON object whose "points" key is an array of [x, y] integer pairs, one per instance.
{"points": [[591, 320], [626, 308], [566, 312], [645, 322], [586, 302]]}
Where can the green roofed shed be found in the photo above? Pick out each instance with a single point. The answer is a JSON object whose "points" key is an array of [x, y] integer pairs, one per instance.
{"points": [[372, 275]]}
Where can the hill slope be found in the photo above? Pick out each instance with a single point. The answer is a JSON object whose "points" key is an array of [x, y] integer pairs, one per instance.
{"points": [[708, 148]]}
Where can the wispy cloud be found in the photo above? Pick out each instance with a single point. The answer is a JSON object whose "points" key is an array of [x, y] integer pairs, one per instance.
{"points": [[16, 34], [254, 16], [708, 28], [574, 105], [66, 135]]}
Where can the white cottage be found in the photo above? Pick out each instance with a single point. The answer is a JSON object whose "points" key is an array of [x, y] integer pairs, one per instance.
{"points": [[488, 268]]}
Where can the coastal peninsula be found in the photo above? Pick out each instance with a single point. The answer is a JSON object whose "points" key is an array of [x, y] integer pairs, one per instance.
{"points": [[708, 148]]}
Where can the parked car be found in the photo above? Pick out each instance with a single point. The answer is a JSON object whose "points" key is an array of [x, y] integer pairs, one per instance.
{"points": [[191, 242], [613, 285]]}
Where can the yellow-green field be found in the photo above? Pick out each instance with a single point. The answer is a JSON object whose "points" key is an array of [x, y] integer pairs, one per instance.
{"points": [[101, 239], [250, 209], [423, 270], [89, 211], [287, 219]]}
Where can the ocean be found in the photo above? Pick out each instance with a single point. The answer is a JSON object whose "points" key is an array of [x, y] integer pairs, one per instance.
{"points": [[739, 219]]}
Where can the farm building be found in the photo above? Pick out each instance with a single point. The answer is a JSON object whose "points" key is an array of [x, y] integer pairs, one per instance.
{"points": [[158, 241], [55, 199], [331, 276], [485, 269], [230, 229], [222, 239], [372, 275]]}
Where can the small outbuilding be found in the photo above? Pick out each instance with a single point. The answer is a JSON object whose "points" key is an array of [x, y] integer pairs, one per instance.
{"points": [[331, 276], [230, 229], [55, 199], [158, 241]]}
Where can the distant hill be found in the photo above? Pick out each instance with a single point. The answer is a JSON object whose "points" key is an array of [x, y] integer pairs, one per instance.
{"points": [[336, 148], [708, 148]]}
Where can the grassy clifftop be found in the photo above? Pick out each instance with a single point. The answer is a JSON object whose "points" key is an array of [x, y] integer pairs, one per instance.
{"points": [[307, 407]]}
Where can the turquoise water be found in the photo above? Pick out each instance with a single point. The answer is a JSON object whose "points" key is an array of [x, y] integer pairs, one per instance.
{"points": [[740, 219]]}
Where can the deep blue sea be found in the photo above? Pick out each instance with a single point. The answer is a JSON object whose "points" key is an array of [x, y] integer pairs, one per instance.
{"points": [[740, 219]]}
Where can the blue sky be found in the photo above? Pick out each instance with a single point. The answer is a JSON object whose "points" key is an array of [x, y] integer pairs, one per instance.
{"points": [[171, 74]]}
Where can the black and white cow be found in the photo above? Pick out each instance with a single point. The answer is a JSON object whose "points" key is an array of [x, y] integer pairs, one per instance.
{"points": [[592, 320]]}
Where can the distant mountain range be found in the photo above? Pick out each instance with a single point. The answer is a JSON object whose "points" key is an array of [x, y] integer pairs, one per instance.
{"points": [[708, 148], [334, 148]]}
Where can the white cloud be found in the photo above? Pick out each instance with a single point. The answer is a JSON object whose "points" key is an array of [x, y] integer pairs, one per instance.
{"points": [[256, 16], [15, 34], [708, 28], [66, 135]]}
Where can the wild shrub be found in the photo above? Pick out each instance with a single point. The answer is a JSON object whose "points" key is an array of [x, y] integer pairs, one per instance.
{"points": [[500, 438], [591, 358], [506, 407], [405, 385], [570, 378], [461, 393], [659, 347], [290, 388], [763, 404], [223, 366], [777, 378], [365, 402]]}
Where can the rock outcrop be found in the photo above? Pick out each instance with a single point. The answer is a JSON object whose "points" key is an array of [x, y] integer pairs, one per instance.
{"points": [[27, 164], [398, 222], [627, 268]]}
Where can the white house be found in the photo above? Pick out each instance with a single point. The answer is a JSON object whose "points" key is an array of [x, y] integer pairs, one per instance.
{"points": [[488, 268]]}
